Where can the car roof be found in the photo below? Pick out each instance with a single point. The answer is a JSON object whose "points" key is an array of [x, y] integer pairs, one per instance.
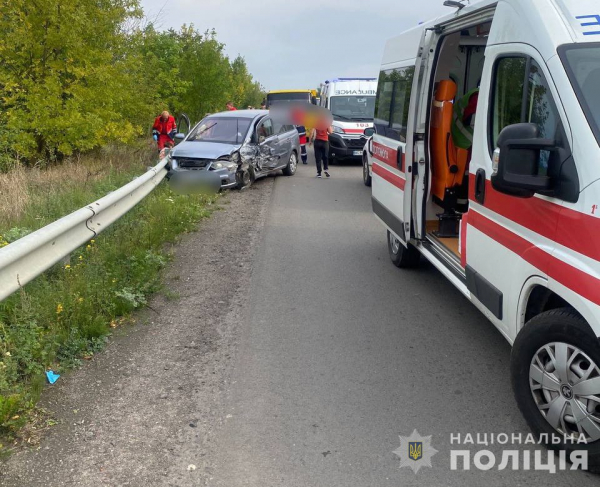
{"points": [[239, 114]]}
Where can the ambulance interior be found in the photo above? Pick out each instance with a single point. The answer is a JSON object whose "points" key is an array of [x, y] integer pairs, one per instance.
{"points": [[458, 72]]}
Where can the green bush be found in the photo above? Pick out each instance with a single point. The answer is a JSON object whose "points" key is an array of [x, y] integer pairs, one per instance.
{"points": [[68, 312]]}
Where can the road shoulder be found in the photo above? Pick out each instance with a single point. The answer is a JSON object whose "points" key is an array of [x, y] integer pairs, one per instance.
{"points": [[144, 411]]}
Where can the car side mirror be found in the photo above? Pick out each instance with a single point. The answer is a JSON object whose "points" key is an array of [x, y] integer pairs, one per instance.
{"points": [[179, 137], [520, 162], [261, 139], [369, 131]]}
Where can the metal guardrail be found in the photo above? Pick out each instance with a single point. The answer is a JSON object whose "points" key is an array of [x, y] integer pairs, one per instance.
{"points": [[28, 257]]}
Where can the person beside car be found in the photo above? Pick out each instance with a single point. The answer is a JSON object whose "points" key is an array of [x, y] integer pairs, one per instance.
{"points": [[319, 136], [164, 130], [302, 138]]}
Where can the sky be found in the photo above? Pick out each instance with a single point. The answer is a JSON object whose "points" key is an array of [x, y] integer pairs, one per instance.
{"points": [[294, 44]]}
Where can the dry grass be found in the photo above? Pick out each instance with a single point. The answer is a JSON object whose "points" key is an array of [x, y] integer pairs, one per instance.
{"points": [[25, 190]]}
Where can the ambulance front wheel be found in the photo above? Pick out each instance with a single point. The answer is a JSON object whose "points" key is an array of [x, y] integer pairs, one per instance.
{"points": [[403, 257], [366, 175], [555, 372]]}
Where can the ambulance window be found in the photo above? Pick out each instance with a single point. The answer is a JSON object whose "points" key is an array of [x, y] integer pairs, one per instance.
{"points": [[508, 94], [393, 101], [512, 105], [522, 95], [383, 104], [401, 105], [582, 62], [540, 108]]}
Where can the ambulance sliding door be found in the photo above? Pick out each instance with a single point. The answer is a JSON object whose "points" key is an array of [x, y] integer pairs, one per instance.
{"points": [[392, 183]]}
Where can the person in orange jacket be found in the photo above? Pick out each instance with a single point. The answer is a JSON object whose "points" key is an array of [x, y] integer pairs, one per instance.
{"points": [[164, 130]]}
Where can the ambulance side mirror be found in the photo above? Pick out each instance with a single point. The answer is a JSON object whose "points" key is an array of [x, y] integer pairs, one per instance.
{"points": [[520, 161], [369, 131]]}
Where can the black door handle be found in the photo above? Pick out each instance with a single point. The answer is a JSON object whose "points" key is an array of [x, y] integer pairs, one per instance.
{"points": [[480, 186], [399, 161]]}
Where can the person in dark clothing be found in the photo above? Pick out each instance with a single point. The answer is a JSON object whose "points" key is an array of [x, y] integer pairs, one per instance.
{"points": [[302, 137], [320, 138]]}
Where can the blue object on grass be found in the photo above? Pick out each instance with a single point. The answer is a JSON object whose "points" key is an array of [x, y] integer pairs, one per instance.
{"points": [[51, 376]]}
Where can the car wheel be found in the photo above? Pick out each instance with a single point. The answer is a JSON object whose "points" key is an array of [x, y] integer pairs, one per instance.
{"points": [[292, 165], [331, 159], [243, 179], [366, 175], [555, 372], [403, 257]]}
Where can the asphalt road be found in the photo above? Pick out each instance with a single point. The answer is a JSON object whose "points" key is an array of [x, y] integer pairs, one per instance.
{"points": [[342, 352], [295, 355]]}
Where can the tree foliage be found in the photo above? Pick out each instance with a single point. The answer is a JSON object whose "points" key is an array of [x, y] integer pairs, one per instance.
{"points": [[74, 77]]}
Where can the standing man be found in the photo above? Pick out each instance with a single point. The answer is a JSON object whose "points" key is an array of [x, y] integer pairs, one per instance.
{"points": [[302, 136], [230, 106], [320, 138], [164, 130]]}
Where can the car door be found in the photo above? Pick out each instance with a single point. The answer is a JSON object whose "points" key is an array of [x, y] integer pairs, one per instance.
{"points": [[268, 145], [505, 231], [391, 193], [286, 138]]}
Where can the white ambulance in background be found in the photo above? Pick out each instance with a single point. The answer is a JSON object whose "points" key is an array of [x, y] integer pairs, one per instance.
{"points": [[513, 221], [352, 104]]}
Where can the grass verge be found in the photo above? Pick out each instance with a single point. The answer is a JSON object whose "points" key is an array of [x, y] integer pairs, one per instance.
{"points": [[67, 314]]}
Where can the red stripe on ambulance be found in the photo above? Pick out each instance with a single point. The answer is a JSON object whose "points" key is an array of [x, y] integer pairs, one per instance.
{"points": [[387, 155], [389, 176], [574, 230], [575, 279]]}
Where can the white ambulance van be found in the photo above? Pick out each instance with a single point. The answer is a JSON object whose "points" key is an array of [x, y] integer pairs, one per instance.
{"points": [[352, 104], [513, 219]]}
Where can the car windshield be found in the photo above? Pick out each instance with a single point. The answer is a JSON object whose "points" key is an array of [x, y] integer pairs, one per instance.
{"points": [[226, 130], [352, 107], [582, 62]]}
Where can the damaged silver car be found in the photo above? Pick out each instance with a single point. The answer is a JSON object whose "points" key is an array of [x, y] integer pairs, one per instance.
{"points": [[240, 146]]}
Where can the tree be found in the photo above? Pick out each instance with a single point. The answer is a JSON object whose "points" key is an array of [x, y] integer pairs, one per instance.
{"points": [[78, 74], [64, 64]]}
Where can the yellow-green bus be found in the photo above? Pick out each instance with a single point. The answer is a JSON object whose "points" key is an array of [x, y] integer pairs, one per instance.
{"points": [[286, 96]]}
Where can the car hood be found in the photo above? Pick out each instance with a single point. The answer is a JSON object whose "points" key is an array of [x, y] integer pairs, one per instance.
{"points": [[203, 150]]}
